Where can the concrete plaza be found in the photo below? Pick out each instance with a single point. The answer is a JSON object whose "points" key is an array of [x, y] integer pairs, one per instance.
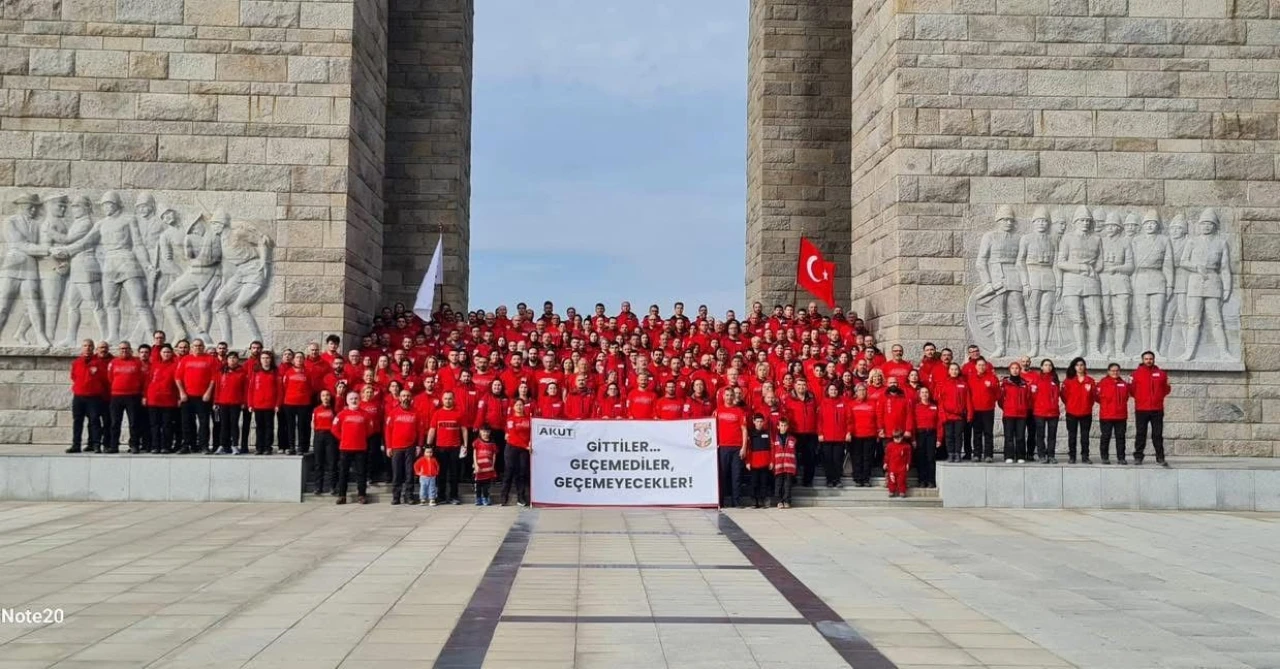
{"points": [[185, 585]]}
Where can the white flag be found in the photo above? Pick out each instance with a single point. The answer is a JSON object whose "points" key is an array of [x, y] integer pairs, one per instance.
{"points": [[425, 304]]}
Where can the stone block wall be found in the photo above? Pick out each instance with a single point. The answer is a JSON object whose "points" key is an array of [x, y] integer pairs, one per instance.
{"points": [[797, 142], [428, 176], [961, 106]]}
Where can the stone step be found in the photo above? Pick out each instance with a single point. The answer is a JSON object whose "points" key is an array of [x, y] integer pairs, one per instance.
{"points": [[851, 492], [882, 500]]}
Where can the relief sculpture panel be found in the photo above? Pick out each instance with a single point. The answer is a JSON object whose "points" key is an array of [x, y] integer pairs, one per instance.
{"points": [[1107, 284], [76, 266]]}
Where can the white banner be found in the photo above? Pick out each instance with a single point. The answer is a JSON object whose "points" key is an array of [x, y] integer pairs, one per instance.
{"points": [[624, 463]]}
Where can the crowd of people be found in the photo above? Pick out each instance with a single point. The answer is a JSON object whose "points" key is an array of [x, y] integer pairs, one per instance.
{"points": [[440, 401]]}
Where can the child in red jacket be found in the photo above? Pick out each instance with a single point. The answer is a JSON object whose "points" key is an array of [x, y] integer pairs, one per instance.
{"points": [[783, 464], [897, 459], [427, 469], [484, 455]]}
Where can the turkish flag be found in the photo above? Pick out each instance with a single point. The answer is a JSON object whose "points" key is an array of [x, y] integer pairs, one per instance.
{"points": [[815, 274]]}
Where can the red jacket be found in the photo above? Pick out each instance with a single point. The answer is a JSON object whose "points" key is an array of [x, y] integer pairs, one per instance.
{"points": [[519, 431], [491, 411], [832, 423], [897, 414], [162, 391], [953, 398], [403, 428], [196, 372], [126, 376], [297, 389], [698, 408], [229, 386], [426, 466], [640, 404], [1149, 387], [928, 417], [1077, 394], [984, 391], [862, 419], [89, 377], [374, 412], [263, 391], [322, 419], [1015, 398], [804, 413], [1113, 398], [579, 405], [783, 455], [550, 406], [1045, 395], [611, 408], [668, 409], [351, 427]]}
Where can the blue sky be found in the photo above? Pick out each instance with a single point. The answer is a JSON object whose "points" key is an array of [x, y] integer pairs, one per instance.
{"points": [[608, 153]]}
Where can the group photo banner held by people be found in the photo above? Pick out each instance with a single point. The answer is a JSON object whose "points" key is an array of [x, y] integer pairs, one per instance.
{"points": [[624, 463]]}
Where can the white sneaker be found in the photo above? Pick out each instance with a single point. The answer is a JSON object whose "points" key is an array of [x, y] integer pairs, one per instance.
{"points": [[1008, 461], [1021, 461]]}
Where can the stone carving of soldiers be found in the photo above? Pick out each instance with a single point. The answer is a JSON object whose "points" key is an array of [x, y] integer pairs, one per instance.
{"points": [[193, 286], [1176, 310], [1207, 259], [245, 271], [53, 273], [1131, 226], [1037, 252], [1078, 263], [83, 270], [126, 266], [151, 227], [1152, 279], [19, 271], [997, 266], [1117, 292]]}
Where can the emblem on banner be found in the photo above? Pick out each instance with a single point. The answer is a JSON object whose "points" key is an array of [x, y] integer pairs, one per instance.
{"points": [[702, 435]]}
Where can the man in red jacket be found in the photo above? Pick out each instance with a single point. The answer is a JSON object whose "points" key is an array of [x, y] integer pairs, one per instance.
{"points": [[194, 377], [1150, 385], [126, 378], [88, 385], [802, 407]]}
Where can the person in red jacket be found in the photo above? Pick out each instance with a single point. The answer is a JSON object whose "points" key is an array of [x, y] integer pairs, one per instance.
{"points": [[127, 379], [641, 401], [1113, 393], [550, 401], [783, 465], [296, 395], [377, 466], [1078, 392], [953, 400], [863, 419], [1045, 405], [731, 436], [928, 429], [351, 429], [1149, 385], [897, 414], [161, 401], [194, 376], [484, 457], [519, 443], [897, 458], [612, 405], [699, 403], [756, 453], [324, 445], [580, 402], [668, 407], [1015, 404], [802, 408], [262, 396], [88, 385], [448, 435], [984, 388], [832, 428], [427, 470], [404, 433], [491, 410]]}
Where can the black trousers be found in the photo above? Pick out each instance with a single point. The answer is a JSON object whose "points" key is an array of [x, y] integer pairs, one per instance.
{"points": [[228, 417], [264, 429], [926, 457], [164, 428], [1031, 436], [1078, 427], [127, 406], [807, 458], [517, 474], [247, 421], [348, 461], [782, 483], [377, 465], [1144, 420], [295, 427], [862, 450], [967, 436], [195, 424], [1112, 428], [499, 439], [731, 470], [326, 462], [1046, 437], [90, 409], [761, 485], [450, 472], [402, 472], [832, 460], [983, 429], [953, 435], [1015, 438]]}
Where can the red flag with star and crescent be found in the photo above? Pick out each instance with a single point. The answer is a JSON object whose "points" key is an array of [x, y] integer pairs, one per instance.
{"points": [[815, 274]]}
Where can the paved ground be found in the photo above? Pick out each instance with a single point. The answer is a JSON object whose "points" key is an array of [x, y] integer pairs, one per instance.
{"points": [[319, 586]]}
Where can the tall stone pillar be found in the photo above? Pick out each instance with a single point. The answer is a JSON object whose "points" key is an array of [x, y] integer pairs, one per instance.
{"points": [[976, 120], [797, 142], [428, 169]]}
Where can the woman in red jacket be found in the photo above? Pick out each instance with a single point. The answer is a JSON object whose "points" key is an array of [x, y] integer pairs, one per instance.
{"points": [[519, 429], [262, 396], [161, 401], [551, 402], [611, 406], [351, 429], [832, 428], [1112, 394], [324, 445], [1046, 392], [953, 401], [296, 394], [984, 388], [928, 427], [862, 418], [1078, 391], [699, 403], [230, 385], [1015, 404]]}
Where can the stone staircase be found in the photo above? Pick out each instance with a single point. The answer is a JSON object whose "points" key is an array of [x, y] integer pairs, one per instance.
{"points": [[875, 496]]}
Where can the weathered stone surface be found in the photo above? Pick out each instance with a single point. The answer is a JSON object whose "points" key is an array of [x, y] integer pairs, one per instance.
{"points": [[51, 62], [269, 14], [149, 11]]}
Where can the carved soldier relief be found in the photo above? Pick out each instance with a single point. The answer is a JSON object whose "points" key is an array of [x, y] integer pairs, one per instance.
{"points": [[1106, 284]]}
